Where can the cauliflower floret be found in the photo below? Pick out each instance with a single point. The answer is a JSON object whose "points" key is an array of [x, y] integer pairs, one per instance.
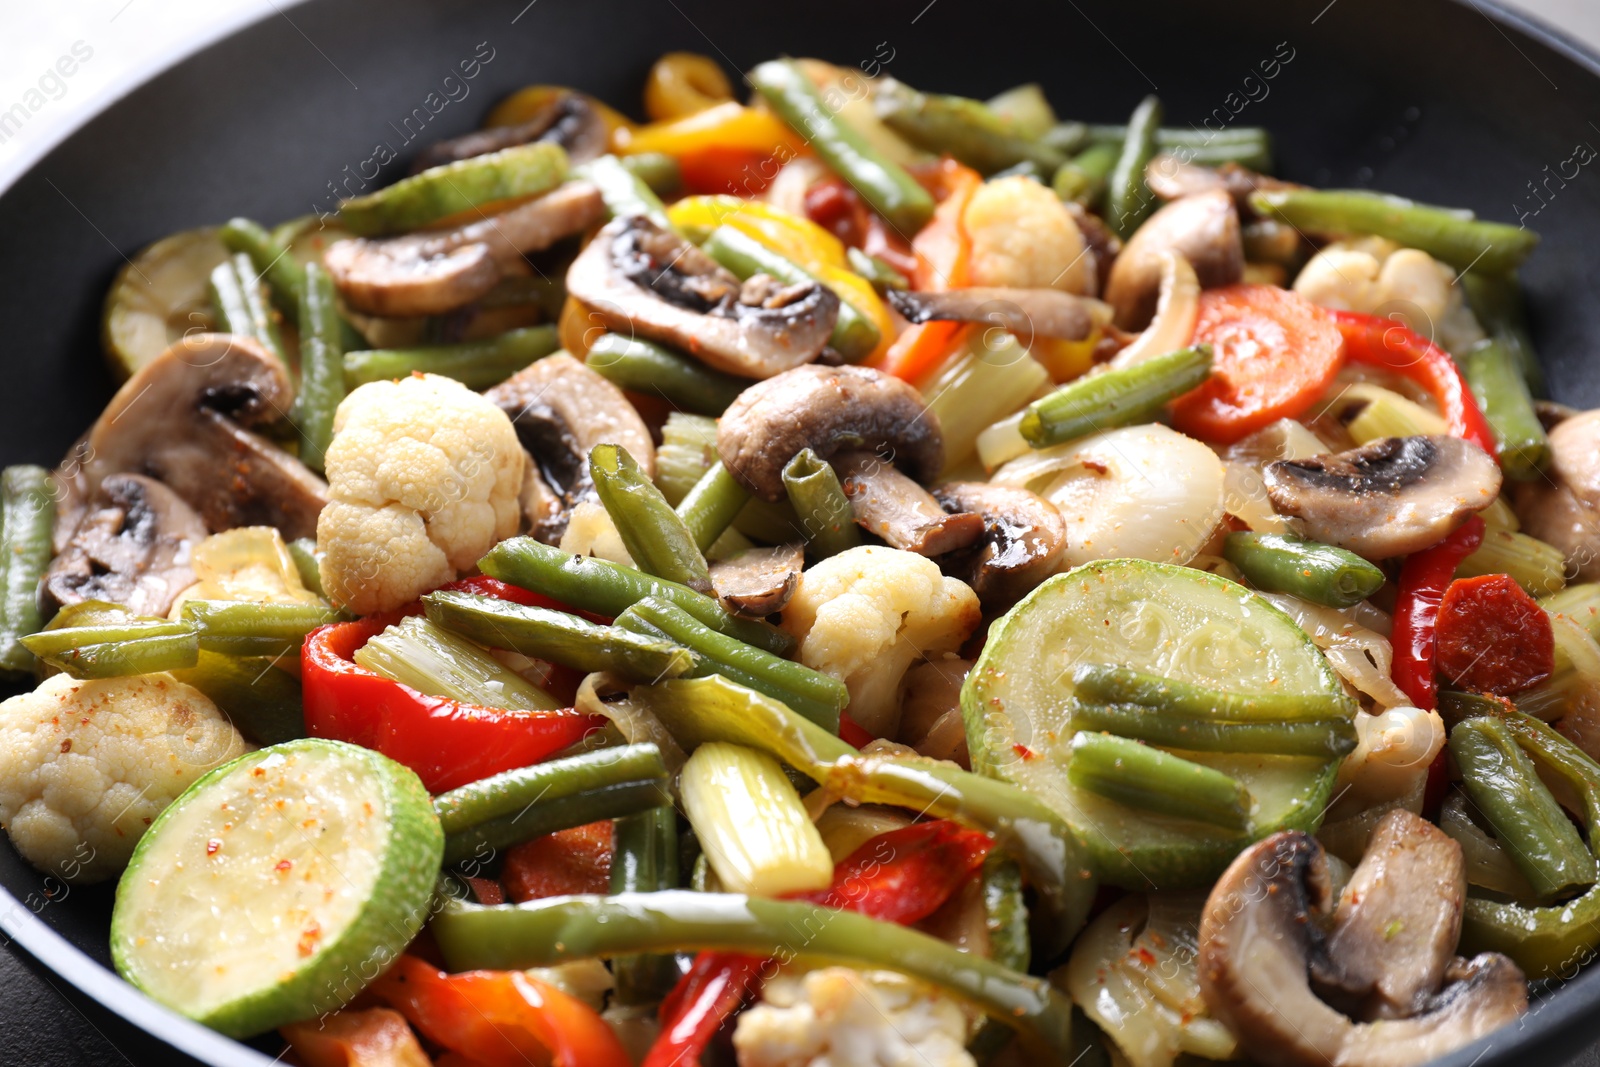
{"points": [[1373, 275], [86, 765], [838, 1017], [423, 477], [1024, 236], [866, 615]]}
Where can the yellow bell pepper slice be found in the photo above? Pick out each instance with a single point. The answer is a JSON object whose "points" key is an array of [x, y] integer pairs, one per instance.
{"points": [[724, 126], [683, 83]]}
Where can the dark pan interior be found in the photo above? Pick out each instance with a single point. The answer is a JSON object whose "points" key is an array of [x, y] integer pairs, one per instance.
{"points": [[1453, 103]]}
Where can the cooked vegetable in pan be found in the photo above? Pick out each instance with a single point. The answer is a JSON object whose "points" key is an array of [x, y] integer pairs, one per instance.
{"points": [[858, 575]]}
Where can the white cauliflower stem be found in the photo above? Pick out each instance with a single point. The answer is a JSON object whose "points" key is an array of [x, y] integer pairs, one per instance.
{"points": [[838, 1017], [423, 476], [866, 615], [86, 765]]}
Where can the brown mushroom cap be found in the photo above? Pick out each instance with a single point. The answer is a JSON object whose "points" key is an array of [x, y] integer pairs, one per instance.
{"points": [[561, 410], [1261, 934], [183, 418], [1388, 498], [569, 120], [1565, 510], [900, 511], [130, 546], [1023, 540], [641, 280], [1203, 228], [826, 409], [758, 581]]}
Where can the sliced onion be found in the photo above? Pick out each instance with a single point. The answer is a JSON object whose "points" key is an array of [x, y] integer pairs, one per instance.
{"points": [[788, 189], [1142, 492], [1488, 864], [1003, 441], [1246, 489], [1352, 642], [1176, 312], [615, 699]]}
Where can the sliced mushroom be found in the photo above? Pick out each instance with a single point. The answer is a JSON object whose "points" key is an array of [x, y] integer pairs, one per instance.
{"points": [[1098, 239], [900, 511], [1565, 509], [826, 409], [435, 271], [1261, 935], [1388, 498], [561, 410], [568, 120], [1025, 312], [640, 279], [130, 547], [1171, 178], [758, 581], [1203, 228], [185, 419], [1024, 537]]}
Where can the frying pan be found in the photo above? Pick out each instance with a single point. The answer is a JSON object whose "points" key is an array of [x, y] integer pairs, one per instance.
{"points": [[1459, 103]]}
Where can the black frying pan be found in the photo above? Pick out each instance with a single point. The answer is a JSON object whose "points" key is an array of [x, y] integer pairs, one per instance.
{"points": [[1455, 103]]}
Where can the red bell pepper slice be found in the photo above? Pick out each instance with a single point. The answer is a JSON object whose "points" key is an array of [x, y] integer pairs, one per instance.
{"points": [[1380, 342], [1493, 636], [1424, 577], [499, 1018], [577, 860], [446, 742], [902, 876]]}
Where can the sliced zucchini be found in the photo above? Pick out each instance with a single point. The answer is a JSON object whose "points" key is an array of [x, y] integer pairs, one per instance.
{"points": [[158, 296], [278, 885], [1173, 621]]}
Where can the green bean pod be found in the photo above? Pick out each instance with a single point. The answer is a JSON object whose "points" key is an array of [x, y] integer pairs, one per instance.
{"points": [[321, 365], [1149, 779], [556, 637], [1104, 684], [1455, 237], [644, 859], [651, 530], [438, 192], [509, 792], [605, 588], [1503, 785], [819, 501], [545, 932], [1496, 300], [549, 815], [1082, 179], [854, 335], [475, 364], [116, 650], [303, 551], [245, 628], [1114, 398], [711, 506], [879, 273], [1497, 383], [1128, 200], [262, 701], [1005, 920], [1310, 570], [885, 185], [659, 172], [1323, 738], [624, 192], [646, 367], [284, 275], [27, 513], [964, 128], [238, 306]]}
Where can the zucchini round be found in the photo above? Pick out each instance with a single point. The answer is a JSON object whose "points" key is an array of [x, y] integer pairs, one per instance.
{"points": [[158, 296]]}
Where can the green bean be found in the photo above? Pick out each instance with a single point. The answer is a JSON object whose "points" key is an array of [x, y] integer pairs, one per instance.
{"points": [[245, 628], [652, 532], [1178, 137], [237, 304], [418, 653], [1128, 200], [1502, 783], [688, 448], [1082, 179], [854, 335], [646, 367], [439, 192], [819, 501], [1102, 684], [475, 364], [882, 276], [1115, 397], [115, 650], [644, 859], [964, 128], [624, 192], [554, 930], [262, 701], [1453, 236], [712, 505], [27, 513], [303, 551], [284, 275], [321, 365], [1149, 779], [606, 588], [1497, 383], [657, 170], [556, 637], [1497, 303], [1332, 738], [1005, 920], [503, 809], [885, 185], [817, 696], [1310, 570]]}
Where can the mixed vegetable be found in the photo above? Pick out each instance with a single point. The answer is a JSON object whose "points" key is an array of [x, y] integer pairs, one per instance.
{"points": [[854, 576]]}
